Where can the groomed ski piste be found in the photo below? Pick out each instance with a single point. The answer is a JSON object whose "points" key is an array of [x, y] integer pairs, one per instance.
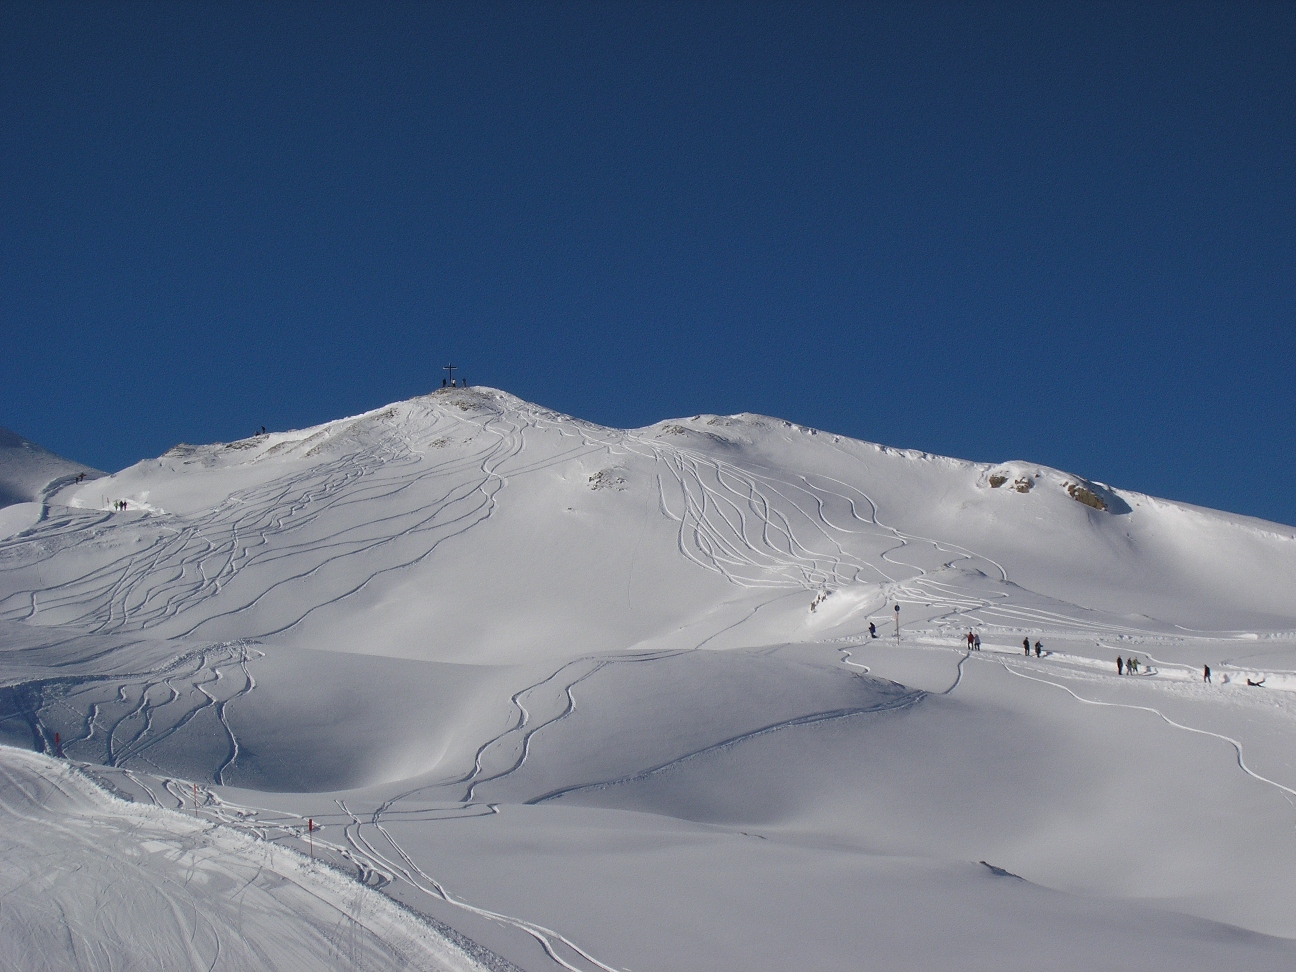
{"points": [[559, 696]]}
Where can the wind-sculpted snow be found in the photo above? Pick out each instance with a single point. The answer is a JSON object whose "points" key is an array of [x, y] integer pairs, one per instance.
{"points": [[599, 699]]}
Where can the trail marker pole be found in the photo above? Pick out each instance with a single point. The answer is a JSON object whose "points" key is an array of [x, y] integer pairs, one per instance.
{"points": [[58, 746], [195, 799], [310, 835], [897, 619]]}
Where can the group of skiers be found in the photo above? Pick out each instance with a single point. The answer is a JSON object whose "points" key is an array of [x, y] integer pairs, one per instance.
{"points": [[974, 644], [119, 505], [1124, 666]]}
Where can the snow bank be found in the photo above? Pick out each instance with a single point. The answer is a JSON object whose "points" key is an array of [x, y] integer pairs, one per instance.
{"points": [[92, 882]]}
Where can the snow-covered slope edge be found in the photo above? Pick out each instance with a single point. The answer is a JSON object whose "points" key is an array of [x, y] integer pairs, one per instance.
{"points": [[28, 473], [90, 881]]}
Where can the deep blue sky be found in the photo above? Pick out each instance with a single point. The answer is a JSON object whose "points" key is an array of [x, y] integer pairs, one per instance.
{"points": [[1059, 232]]}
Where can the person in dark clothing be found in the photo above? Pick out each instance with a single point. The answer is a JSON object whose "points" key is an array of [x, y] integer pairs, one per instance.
{"points": [[1026, 645], [1038, 647], [1120, 665], [1206, 673], [872, 630]]}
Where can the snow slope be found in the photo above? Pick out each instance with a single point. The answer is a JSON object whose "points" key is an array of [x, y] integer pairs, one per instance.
{"points": [[95, 882], [601, 698], [27, 474]]}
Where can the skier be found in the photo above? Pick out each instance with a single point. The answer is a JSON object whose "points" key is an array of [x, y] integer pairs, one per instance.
{"points": [[1038, 646], [976, 643], [1120, 665], [872, 630], [1026, 645], [1131, 667], [1206, 673], [969, 640]]}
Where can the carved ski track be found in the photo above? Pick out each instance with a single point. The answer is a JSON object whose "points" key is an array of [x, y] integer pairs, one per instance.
{"points": [[524, 728], [407, 870], [123, 573], [190, 594], [528, 730], [903, 702], [69, 689], [713, 523], [846, 660], [1287, 791], [108, 719], [488, 506], [326, 562], [185, 719]]}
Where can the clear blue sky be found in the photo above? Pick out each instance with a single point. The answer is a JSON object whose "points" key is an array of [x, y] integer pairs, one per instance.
{"points": [[1059, 232]]}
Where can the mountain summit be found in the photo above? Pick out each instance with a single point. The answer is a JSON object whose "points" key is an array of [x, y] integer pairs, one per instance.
{"points": [[468, 524]]}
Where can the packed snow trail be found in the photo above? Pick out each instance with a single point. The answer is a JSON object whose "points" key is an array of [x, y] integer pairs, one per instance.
{"points": [[157, 889]]}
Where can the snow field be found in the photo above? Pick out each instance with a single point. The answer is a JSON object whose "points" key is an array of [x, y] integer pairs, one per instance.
{"points": [[462, 633]]}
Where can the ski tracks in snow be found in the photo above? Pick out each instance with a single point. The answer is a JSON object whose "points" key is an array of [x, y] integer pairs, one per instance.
{"points": [[1287, 791], [115, 720]]}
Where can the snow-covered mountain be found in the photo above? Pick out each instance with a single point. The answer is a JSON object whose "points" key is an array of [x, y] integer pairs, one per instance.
{"points": [[620, 688], [27, 474]]}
